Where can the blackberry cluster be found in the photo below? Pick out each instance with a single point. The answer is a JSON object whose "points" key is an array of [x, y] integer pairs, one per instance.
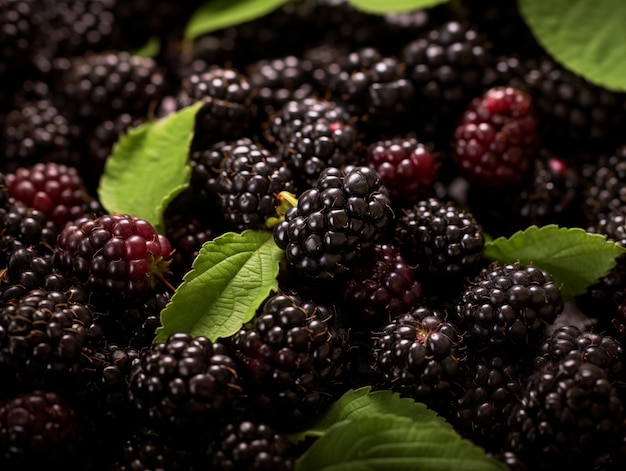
{"points": [[335, 224]]}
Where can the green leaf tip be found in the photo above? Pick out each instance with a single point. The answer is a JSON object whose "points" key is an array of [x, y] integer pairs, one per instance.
{"points": [[149, 167], [573, 257], [394, 6], [586, 37], [230, 278]]}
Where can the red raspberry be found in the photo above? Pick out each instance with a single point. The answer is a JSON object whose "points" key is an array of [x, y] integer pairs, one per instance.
{"points": [[54, 189], [408, 169], [117, 255], [497, 139]]}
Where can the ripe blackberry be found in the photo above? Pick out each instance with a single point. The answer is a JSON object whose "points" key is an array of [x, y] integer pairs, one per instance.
{"points": [[292, 359], [311, 135], [420, 355], [565, 417], [54, 189], [380, 288], [228, 108], [508, 307], [491, 389], [278, 81], [336, 224], [38, 131], [446, 67], [40, 429], [99, 86], [440, 239], [602, 186], [407, 167], [574, 115], [45, 338], [119, 256], [149, 451], [244, 179], [185, 384], [551, 195], [251, 446], [496, 139], [569, 341], [27, 268], [373, 87]]}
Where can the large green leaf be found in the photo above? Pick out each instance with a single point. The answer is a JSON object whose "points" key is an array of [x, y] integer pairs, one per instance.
{"points": [[586, 36], [231, 276], [574, 258], [149, 166], [219, 14], [383, 442], [390, 6]]}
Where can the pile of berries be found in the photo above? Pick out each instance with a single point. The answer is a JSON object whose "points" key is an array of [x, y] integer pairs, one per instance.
{"points": [[380, 152]]}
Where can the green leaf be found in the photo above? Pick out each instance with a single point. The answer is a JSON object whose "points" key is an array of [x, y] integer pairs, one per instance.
{"points": [[390, 6], [150, 49], [230, 278], [587, 37], [219, 14], [574, 258], [392, 443], [363, 402], [149, 166]]}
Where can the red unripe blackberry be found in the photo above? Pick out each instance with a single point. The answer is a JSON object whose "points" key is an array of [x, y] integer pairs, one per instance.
{"points": [[380, 288], [54, 189], [407, 167], [114, 255], [496, 139]]}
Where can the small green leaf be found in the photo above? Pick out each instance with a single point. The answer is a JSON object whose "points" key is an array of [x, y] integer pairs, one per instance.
{"points": [[391, 6], [150, 49], [574, 258], [230, 278], [363, 402], [587, 37], [383, 442], [219, 14], [149, 165]]}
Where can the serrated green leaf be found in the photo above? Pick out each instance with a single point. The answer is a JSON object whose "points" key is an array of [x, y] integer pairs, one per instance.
{"points": [[362, 402], [391, 6], [585, 36], [219, 14], [392, 443], [230, 278], [574, 258], [149, 165]]}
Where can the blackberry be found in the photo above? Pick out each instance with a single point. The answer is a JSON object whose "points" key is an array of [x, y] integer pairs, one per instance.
{"points": [[380, 288], [99, 86], [244, 179], [27, 268], [54, 189], [565, 417], [551, 196], [251, 446], [336, 224], [407, 167], [38, 131], [292, 359], [39, 429], [574, 115], [569, 341], [228, 108], [491, 389], [373, 87], [440, 239], [312, 135], [508, 307], [45, 338], [185, 383], [149, 451], [446, 67], [119, 256], [420, 355], [496, 139]]}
